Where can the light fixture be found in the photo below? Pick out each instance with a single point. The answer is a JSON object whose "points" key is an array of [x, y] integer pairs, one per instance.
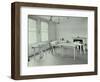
{"points": [[55, 19]]}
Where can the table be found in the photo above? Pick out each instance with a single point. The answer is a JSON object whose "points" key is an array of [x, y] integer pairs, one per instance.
{"points": [[41, 46], [68, 45]]}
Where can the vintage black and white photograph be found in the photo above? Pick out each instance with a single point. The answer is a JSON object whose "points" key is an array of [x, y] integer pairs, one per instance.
{"points": [[53, 40], [57, 40]]}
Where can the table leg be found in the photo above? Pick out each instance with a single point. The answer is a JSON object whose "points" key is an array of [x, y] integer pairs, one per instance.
{"points": [[52, 49], [41, 54], [34, 52], [74, 53], [84, 49], [80, 49], [62, 50]]}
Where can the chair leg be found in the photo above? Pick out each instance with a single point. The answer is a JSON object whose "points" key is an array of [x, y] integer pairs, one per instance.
{"points": [[74, 53], [80, 49], [84, 49], [53, 51]]}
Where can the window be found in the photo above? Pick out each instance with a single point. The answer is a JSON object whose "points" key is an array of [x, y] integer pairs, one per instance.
{"points": [[32, 31], [44, 31]]}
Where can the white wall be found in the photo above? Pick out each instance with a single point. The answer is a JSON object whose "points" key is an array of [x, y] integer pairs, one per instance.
{"points": [[5, 41], [52, 31], [72, 27]]}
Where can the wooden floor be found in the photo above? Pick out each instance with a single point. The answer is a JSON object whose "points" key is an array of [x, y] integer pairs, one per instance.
{"points": [[63, 56]]}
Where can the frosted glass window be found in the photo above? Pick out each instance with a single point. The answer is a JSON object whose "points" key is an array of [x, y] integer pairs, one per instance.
{"points": [[32, 31], [44, 31]]}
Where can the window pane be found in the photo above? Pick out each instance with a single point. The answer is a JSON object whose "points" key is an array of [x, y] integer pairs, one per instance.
{"points": [[44, 36], [32, 31], [44, 31], [32, 25], [44, 26], [32, 37]]}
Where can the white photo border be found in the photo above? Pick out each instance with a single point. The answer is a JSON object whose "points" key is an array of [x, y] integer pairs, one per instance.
{"points": [[25, 70]]}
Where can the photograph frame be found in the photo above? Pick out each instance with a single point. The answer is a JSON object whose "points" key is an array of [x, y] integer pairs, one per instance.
{"points": [[15, 39]]}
